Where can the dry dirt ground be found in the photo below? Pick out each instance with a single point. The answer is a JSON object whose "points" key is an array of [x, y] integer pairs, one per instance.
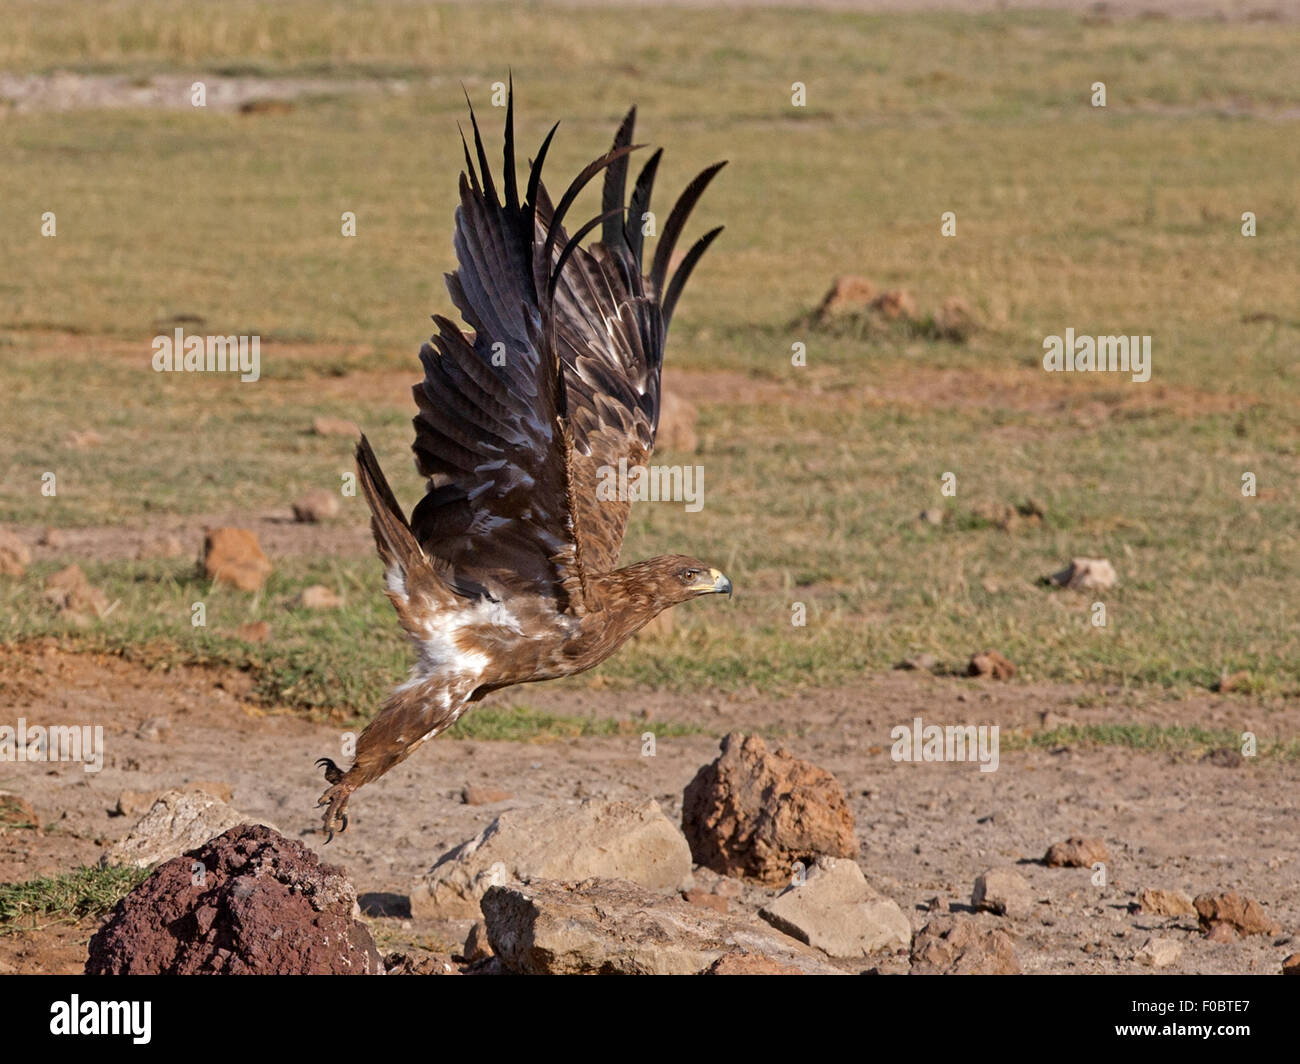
{"points": [[1171, 821]]}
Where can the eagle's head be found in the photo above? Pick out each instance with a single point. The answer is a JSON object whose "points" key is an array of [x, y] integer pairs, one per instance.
{"points": [[674, 578]]}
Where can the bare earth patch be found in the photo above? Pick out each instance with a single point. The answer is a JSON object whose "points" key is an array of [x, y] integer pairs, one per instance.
{"points": [[1171, 821]]}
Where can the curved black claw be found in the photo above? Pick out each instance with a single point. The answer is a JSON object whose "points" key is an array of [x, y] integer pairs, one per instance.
{"points": [[333, 774]]}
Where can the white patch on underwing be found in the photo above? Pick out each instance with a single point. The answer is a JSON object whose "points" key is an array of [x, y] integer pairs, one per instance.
{"points": [[395, 581]]}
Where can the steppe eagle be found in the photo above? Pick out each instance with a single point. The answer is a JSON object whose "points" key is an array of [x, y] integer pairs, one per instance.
{"points": [[508, 570]]}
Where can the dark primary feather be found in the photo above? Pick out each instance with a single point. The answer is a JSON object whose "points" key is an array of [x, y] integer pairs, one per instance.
{"points": [[513, 451]]}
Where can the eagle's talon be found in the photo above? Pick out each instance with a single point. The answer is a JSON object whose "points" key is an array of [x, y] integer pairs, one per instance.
{"points": [[336, 818]]}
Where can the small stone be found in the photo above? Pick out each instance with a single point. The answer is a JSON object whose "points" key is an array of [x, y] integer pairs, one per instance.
{"points": [[1077, 851], [990, 664], [52, 537], [233, 556], [919, 663], [1291, 965], [477, 947], [484, 795], [1158, 952], [847, 295], [933, 516], [1003, 891], [1153, 901], [319, 597], [15, 555], [1086, 574], [316, 506]]}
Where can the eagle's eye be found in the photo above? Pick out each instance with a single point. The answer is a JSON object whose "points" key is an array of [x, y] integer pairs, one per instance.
{"points": [[689, 575]]}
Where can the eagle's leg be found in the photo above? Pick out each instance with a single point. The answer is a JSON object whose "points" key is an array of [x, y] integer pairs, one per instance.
{"points": [[406, 722]]}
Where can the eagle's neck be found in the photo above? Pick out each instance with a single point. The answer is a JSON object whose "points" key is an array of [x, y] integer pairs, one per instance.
{"points": [[626, 600]]}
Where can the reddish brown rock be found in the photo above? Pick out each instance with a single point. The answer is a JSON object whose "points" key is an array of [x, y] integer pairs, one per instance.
{"points": [[755, 813], [990, 665], [51, 537], [1078, 851], [265, 905], [72, 593], [233, 556], [1291, 966], [959, 945], [1153, 901], [849, 294], [1229, 909], [15, 555]]}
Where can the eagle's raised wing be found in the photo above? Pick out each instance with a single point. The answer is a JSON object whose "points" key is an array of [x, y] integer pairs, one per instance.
{"points": [[561, 375], [610, 326]]}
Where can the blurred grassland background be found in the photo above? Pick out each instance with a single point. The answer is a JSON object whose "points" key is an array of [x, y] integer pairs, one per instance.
{"points": [[1118, 220]]}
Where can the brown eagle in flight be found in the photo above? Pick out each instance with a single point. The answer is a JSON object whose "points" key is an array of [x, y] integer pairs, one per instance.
{"points": [[508, 569]]}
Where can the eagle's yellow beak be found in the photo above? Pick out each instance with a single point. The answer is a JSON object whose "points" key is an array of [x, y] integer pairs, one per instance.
{"points": [[714, 584]]}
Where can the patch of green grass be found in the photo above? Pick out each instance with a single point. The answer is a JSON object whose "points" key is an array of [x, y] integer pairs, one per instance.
{"points": [[70, 896], [1152, 738], [520, 723], [1117, 220]]}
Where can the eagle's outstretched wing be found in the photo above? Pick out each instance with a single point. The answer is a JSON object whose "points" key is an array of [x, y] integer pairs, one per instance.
{"points": [[561, 376], [610, 327]]}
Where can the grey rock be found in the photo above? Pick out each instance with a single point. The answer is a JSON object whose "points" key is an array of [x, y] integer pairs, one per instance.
{"points": [[838, 912], [612, 927], [1003, 891], [597, 838]]}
